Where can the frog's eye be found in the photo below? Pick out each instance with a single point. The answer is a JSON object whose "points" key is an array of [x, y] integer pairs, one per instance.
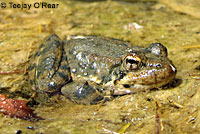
{"points": [[132, 62]]}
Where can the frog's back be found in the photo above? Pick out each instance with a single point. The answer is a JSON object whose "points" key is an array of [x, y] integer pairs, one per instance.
{"points": [[92, 57], [98, 45]]}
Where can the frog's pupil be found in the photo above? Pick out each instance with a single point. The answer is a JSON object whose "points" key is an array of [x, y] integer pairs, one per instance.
{"points": [[131, 61]]}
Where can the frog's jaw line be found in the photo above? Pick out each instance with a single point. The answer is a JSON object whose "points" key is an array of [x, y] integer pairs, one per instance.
{"points": [[133, 89], [136, 88]]}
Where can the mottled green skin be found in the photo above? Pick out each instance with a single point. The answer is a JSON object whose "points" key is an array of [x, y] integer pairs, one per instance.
{"points": [[86, 68], [49, 70]]}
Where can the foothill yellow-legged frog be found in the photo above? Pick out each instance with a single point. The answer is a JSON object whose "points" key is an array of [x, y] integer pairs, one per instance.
{"points": [[87, 68]]}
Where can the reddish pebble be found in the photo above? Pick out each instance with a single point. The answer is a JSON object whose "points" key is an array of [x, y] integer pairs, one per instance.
{"points": [[16, 108]]}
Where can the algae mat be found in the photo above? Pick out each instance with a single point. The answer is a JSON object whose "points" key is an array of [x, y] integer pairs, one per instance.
{"points": [[174, 109]]}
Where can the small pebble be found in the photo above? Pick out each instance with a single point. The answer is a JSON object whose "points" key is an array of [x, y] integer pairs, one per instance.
{"points": [[30, 127], [18, 131], [85, 73]]}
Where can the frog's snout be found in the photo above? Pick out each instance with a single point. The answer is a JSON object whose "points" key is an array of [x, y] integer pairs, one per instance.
{"points": [[165, 75]]}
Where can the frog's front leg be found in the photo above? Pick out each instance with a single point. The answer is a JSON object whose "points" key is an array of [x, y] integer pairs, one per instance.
{"points": [[83, 92]]}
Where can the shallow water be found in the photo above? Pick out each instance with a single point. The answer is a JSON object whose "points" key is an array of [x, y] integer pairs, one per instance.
{"points": [[22, 31]]}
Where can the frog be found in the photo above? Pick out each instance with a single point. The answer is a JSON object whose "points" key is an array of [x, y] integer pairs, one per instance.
{"points": [[87, 69]]}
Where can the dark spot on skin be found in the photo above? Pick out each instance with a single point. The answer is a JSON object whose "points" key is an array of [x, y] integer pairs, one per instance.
{"points": [[158, 65], [86, 83], [37, 54], [31, 81], [31, 67], [126, 86], [62, 75], [149, 99], [93, 65], [41, 46], [64, 57], [82, 65], [115, 82], [163, 77], [121, 74], [125, 45], [64, 67], [143, 64]]}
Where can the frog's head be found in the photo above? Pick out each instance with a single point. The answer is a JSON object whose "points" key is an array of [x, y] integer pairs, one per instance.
{"points": [[146, 69]]}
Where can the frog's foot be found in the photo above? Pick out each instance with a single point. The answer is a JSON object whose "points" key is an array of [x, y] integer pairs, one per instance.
{"points": [[105, 99], [83, 92]]}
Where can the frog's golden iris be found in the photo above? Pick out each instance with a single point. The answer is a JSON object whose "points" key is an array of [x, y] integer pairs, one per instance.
{"points": [[132, 62]]}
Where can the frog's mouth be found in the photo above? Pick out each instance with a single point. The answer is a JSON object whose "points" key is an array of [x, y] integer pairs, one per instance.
{"points": [[145, 79]]}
